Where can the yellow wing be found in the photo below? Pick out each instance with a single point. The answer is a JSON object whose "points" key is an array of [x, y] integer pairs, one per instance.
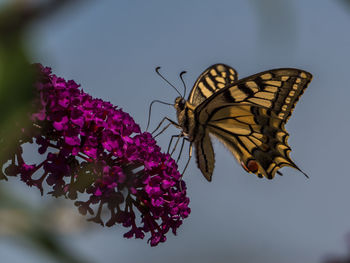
{"points": [[249, 116], [210, 81]]}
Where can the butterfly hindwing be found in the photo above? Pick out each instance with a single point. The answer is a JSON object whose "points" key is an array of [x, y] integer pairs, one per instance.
{"points": [[205, 156], [210, 81], [249, 115], [255, 135]]}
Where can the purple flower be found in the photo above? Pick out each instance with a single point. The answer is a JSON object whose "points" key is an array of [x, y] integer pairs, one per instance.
{"points": [[92, 147]]}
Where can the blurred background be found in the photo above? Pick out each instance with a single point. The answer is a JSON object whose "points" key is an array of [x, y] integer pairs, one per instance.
{"points": [[112, 47]]}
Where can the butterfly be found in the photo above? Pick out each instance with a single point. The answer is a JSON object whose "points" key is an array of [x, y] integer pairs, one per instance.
{"points": [[247, 115]]}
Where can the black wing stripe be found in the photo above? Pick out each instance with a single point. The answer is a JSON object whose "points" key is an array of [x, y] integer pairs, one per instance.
{"points": [[210, 85], [246, 90], [231, 134], [248, 137], [201, 93], [204, 155], [235, 119], [210, 82]]}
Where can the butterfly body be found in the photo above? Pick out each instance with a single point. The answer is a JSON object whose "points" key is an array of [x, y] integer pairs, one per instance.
{"points": [[248, 116], [185, 117]]}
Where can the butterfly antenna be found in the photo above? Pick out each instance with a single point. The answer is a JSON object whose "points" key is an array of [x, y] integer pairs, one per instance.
{"points": [[150, 110], [157, 70], [183, 82]]}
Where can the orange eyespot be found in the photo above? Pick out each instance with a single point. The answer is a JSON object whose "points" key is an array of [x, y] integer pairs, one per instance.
{"points": [[251, 167]]}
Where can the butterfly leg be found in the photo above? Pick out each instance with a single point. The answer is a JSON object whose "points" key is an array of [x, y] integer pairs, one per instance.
{"points": [[182, 146], [189, 157], [171, 122], [188, 161], [171, 141], [159, 133], [177, 142]]}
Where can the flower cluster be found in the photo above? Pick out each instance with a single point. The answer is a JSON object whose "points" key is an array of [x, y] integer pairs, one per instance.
{"points": [[94, 148]]}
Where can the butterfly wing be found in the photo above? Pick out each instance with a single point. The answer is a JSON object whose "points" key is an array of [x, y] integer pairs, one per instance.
{"points": [[205, 156], [210, 81], [249, 116]]}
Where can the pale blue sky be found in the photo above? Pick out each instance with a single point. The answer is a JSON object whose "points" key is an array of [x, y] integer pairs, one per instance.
{"points": [[112, 48]]}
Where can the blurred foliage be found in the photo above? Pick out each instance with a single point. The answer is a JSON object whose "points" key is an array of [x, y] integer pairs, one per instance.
{"points": [[16, 74], [17, 217], [16, 77]]}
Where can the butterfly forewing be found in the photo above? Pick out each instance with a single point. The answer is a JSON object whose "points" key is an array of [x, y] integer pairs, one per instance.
{"points": [[249, 115], [277, 89], [210, 81]]}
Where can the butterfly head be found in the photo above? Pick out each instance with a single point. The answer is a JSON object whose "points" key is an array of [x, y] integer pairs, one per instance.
{"points": [[184, 112], [180, 104]]}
